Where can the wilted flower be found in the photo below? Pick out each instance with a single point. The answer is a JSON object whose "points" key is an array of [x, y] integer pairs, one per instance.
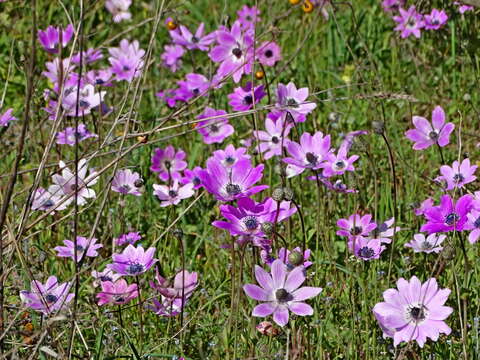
{"points": [[85, 247], [47, 298], [280, 292], [427, 245], [133, 261], [127, 182], [414, 312], [117, 293]]}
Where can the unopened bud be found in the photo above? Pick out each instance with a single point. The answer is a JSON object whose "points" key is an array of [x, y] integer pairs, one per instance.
{"points": [[288, 194], [278, 194], [378, 127], [138, 183], [267, 228], [295, 258]]}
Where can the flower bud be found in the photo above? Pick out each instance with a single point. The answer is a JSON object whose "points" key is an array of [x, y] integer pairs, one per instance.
{"points": [[378, 127], [138, 183], [267, 227], [288, 194], [295, 258], [278, 194]]}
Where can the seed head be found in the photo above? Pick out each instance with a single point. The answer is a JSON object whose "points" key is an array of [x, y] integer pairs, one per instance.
{"points": [[288, 194]]}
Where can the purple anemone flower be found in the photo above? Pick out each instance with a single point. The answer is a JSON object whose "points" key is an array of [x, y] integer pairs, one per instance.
{"points": [[392, 5], [88, 99], [85, 247], [44, 200], [50, 38], [448, 216], [234, 52], [280, 292], [428, 244], [119, 9], [423, 207], [294, 101], [237, 181], [70, 135], [414, 312], [105, 275], [247, 218], [168, 163], [410, 22], [458, 175], [127, 182], [214, 130], [89, 56], [133, 261], [198, 41], [243, 98], [172, 194], [127, 60], [356, 226], [6, 117], [248, 16], [191, 176], [310, 153], [384, 231], [269, 53], [101, 77], [130, 238], [171, 57], [473, 224], [274, 139], [116, 293], [230, 156], [436, 19], [47, 298], [338, 164], [463, 8], [184, 284], [365, 248], [427, 134], [194, 85]]}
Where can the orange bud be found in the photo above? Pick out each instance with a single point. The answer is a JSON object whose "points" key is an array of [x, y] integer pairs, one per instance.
{"points": [[307, 6]]}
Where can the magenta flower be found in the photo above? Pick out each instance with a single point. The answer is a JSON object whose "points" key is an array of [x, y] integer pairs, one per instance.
{"points": [[198, 41], [126, 60], [116, 293], [70, 135], [269, 53], [99, 78], [6, 117], [409, 22], [426, 245], [384, 231], [427, 134], [448, 216], [214, 130], [119, 9], [274, 138], [310, 153], [227, 184], [50, 38], [436, 19], [248, 16], [65, 184], [105, 275], [47, 298], [392, 5], [88, 57], [280, 292], [294, 101], [284, 255], [195, 85], [424, 206], [168, 163], [458, 175], [230, 156], [172, 194], [85, 247], [463, 8], [356, 226], [167, 307], [247, 218], [133, 261], [338, 164], [365, 248], [88, 100], [171, 57], [127, 182], [414, 312], [130, 238], [234, 51], [243, 98], [169, 96], [191, 176], [473, 224]]}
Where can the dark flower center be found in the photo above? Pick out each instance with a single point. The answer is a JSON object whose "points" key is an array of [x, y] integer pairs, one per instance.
{"points": [[214, 128], [126, 187], [275, 140], [366, 252], [196, 91], [126, 68], [418, 313], [99, 81], [477, 223], [135, 269], [79, 248], [48, 203], [248, 100], [433, 135], [196, 181], [340, 165], [118, 298], [172, 193], [451, 218], [248, 18], [167, 164], [237, 52], [356, 230], [458, 178], [426, 245], [73, 187], [382, 227], [282, 295], [250, 222], [194, 39], [138, 183], [311, 158], [269, 53], [435, 22], [83, 104], [233, 189], [50, 298], [292, 102], [105, 278], [229, 160]]}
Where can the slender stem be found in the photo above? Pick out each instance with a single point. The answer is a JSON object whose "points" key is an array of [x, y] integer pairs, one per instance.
{"points": [[140, 310]]}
